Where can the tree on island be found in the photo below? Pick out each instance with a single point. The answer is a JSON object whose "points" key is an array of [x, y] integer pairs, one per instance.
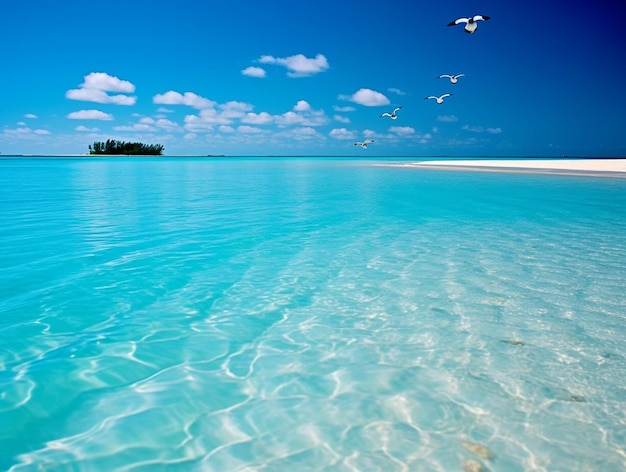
{"points": [[111, 146]]}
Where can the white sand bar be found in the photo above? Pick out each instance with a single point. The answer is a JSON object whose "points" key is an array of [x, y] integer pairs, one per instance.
{"points": [[600, 167]]}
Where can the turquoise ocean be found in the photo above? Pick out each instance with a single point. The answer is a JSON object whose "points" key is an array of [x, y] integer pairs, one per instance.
{"points": [[290, 314]]}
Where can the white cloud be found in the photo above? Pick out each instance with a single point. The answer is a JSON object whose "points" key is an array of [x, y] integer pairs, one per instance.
{"points": [[480, 129], [262, 118], [164, 110], [396, 91], [304, 133], [344, 109], [341, 119], [24, 132], [17, 131], [135, 127], [98, 96], [90, 115], [302, 105], [234, 109], [248, 129], [95, 87], [206, 120], [403, 130], [474, 129], [342, 133], [107, 83], [188, 98], [312, 118], [21, 123], [195, 124], [226, 129], [298, 65], [30, 115], [82, 128], [366, 97], [212, 116], [254, 72], [167, 125], [447, 118]]}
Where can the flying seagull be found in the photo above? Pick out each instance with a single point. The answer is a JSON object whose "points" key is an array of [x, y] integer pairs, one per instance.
{"points": [[453, 78], [364, 143], [440, 98], [470, 23], [391, 115]]}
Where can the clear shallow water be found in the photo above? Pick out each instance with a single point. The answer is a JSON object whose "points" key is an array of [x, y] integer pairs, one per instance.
{"points": [[249, 314]]}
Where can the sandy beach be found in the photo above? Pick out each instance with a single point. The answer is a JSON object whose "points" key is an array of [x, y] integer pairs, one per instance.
{"points": [[596, 167]]}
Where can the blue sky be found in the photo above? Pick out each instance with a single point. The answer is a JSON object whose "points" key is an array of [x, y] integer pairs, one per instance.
{"points": [[287, 77]]}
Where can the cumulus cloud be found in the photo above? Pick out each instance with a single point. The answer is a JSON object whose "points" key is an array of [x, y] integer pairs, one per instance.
{"points": [[188, 98], [248, 129], [447, 118], [366, 97], [99, 96], [24, 132], [84, 129], [235, 109], [303, 133], [167, 125], [263, 118], [342, 133], [310, 118], [402, 130], [90, 115], [253, 71], [298, 65], [480, 129], [205, 120], [396, 91], [302, 105], [107, 83], [341, 119], [135, 127], [96, 86], [30, 115]]}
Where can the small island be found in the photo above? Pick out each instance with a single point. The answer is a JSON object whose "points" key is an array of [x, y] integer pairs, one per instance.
{"points": [[113, 147]]}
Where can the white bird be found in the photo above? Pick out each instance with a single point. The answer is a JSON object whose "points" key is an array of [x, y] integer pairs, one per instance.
{"points": [[470, 23], [391, 115], [453, 78], [440, 98], [364, 143]]}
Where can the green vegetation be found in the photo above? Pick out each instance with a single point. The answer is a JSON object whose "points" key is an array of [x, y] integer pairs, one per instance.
{"points": [[121, 147]]}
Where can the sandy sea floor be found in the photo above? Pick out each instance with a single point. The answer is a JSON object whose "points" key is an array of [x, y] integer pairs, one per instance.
{"points": [[598, 167]]}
